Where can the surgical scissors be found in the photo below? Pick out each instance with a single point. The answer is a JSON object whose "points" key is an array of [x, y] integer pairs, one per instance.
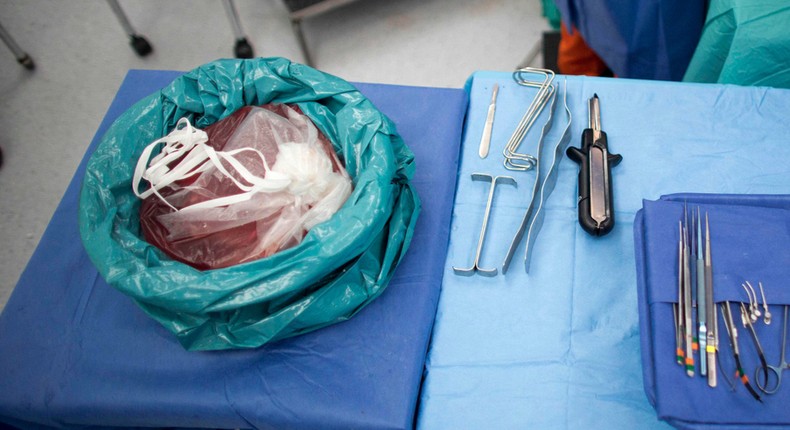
{"points": [[778, 369]]}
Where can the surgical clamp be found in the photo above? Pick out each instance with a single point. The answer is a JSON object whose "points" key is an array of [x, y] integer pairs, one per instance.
{"points": [[732, 331], [476, 266], [757, 345], [779, 368]]}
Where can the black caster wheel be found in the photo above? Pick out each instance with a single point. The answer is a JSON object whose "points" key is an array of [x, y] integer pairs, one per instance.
{"points": [[243, 49], [27, 62], [140, 45]]}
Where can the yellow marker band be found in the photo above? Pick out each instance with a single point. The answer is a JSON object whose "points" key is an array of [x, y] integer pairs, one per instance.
{"points": [[710, 348]]}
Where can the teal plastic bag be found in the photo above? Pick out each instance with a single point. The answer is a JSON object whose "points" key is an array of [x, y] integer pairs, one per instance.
{"points": [[341, 264]]}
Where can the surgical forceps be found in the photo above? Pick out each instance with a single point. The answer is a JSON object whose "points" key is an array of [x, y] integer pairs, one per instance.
{"points": [[748, 324], [476, 266], [778, 369], [542, 187]]}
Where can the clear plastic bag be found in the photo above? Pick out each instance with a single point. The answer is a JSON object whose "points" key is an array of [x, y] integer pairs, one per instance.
{"points": [[246, 187]]}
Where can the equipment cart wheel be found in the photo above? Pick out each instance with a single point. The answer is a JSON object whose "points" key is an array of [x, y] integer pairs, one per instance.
{"points": [[243, 49], [140, 45], [21, 56]]}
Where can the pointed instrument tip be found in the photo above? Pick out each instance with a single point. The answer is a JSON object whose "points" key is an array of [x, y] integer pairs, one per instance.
{"points": [[595, 95]]}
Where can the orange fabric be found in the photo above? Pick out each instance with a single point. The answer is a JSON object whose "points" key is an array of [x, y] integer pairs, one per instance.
{"points": [[576, 58]]}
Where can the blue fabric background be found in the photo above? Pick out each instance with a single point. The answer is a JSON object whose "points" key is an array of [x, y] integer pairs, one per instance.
{"points": [[76, 353]]}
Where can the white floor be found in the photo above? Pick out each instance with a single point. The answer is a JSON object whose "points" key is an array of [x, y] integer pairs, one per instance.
{"points": [[48, 116]]}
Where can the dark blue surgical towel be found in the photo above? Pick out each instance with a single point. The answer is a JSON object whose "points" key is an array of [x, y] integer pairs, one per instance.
{"points": [[750, 241]]}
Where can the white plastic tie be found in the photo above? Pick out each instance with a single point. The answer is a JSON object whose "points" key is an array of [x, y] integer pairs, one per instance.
{"points": [[188, 144]]}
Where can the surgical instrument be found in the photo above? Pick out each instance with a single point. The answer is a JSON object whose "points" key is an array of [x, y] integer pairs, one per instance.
{"points": [[678, 336], [485, 141], [476, 266], [732, 331], [535, 189], [687, 303], [680, 324], [779, 368], [754, 307], [749, 315], [523, 161], [596, 210], [757, 346], [542, 188], [550, 180], [691, 267], [712, 349], [712, 341], [702, 298], [723, 375], [766, 312]]}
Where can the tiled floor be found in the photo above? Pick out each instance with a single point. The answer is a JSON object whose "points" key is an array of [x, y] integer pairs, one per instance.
{"points": [[48, 116]]}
